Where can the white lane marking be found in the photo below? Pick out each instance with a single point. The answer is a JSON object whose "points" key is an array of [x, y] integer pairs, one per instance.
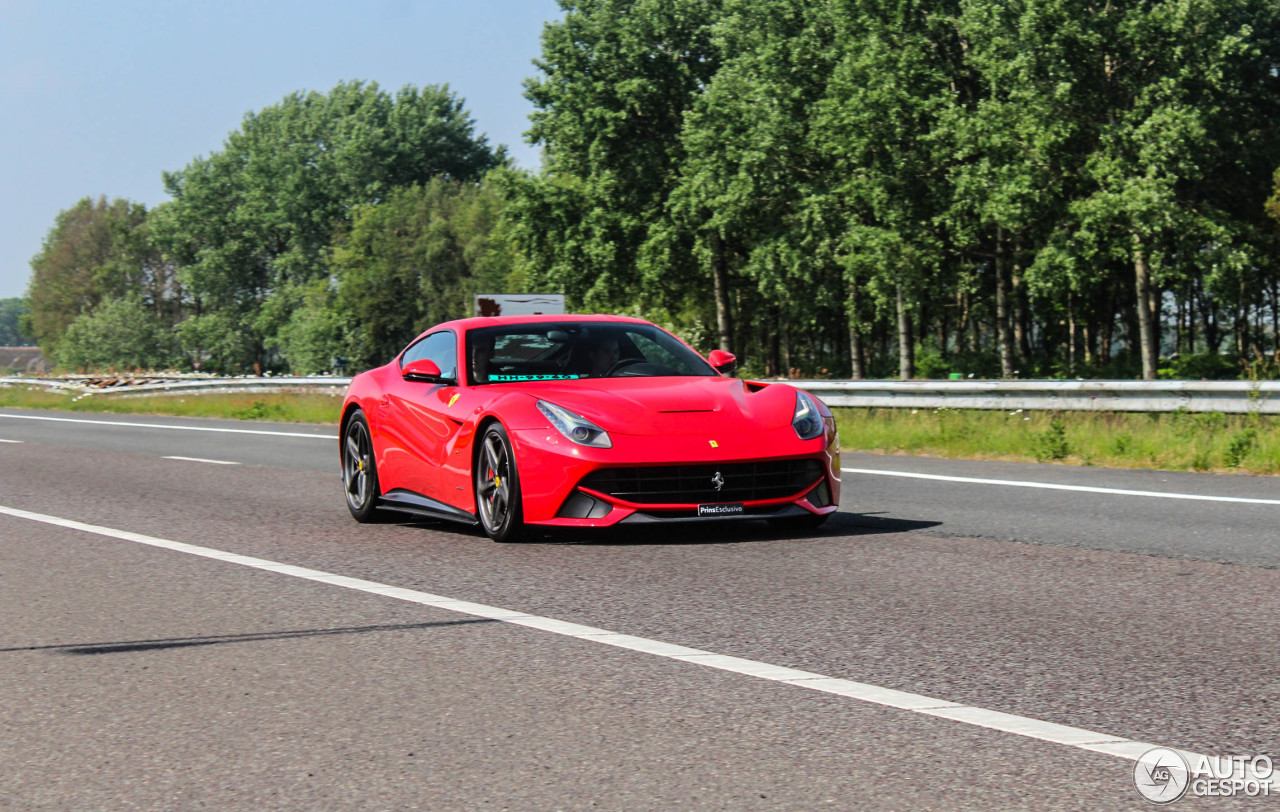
{"points": [[2, 440], [1016, 483], [329, 437], [902, 700], [201, 459]]}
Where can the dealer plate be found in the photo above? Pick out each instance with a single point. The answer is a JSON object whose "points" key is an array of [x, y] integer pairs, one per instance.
{"points": [[728, 509]]}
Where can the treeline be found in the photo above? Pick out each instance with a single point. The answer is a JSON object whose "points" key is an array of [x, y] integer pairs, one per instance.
{"points": [[840, 187], [876, 186], [328, 231], [11, 311]]}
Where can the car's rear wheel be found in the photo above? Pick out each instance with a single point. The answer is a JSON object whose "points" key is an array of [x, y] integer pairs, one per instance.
{"points": [[359, 471], [497, 486]]}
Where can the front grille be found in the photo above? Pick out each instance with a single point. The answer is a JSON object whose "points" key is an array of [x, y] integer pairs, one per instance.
{"points": [[694, 484]]}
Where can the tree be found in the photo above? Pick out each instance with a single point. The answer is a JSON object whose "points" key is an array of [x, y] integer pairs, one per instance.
{"points": [[255, 221], [1273, 202], [1183, 98], [1006, 143], [886, 97], [120, 333], [617, 77], [312, 337], [417, 259], [95, 250], [747, 167], [11, 313]]}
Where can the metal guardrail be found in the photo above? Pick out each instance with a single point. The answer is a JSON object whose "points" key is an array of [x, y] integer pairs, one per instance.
{"points": [[1230, 397], [161, 385]]}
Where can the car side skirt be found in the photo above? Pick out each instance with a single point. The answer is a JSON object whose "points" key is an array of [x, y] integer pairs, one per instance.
{"points": [[406, 501]]}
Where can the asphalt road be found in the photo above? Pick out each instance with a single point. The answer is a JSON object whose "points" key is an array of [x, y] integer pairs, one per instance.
{"points": [[137, 676]]}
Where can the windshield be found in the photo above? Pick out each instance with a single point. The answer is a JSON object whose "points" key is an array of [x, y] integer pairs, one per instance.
{"points": [[570, 350]]}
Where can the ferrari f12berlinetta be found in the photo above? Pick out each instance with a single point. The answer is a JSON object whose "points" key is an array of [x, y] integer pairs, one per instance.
{"points": [[580, 421]]}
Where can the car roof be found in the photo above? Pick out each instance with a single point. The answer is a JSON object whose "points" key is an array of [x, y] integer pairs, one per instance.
{"points": [[462, 325]]}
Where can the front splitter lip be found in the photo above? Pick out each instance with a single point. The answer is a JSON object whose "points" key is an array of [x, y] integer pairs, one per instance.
{"points": [[792, 509], [648, 514]]}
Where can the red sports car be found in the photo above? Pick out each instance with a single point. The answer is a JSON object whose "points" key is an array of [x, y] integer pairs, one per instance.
{"points": [[580, 421]]}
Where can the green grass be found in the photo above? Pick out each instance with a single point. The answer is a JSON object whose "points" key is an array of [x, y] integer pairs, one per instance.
{"points": [[282, 407], [1179, 441]]}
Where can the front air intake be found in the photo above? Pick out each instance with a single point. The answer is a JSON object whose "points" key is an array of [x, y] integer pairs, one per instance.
{"points": [[705, 483]]}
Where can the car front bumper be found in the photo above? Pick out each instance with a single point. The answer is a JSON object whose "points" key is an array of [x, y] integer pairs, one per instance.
{"points": [[552, 470]]}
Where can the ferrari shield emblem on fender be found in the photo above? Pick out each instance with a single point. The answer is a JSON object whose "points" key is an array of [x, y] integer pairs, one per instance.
{"points": [[453, 400], [714, 444], [718, 480]]}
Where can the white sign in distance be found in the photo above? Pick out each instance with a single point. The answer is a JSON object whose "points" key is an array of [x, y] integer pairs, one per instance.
{"points": [[519, 304]]}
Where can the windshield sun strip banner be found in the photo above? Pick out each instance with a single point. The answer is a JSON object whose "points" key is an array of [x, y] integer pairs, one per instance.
{"points": [[520, 378]]}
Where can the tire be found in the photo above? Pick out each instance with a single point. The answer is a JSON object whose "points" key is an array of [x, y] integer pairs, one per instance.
{"points": [[359, 470], [497, 487], [811, 521]]}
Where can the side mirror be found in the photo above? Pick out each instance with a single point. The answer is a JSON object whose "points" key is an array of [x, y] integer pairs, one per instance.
{"points": [[423, 370], [724, 362]]}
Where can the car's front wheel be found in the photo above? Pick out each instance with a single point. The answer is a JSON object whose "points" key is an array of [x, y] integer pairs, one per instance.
{"points": [[497, 486], [359, 471]]}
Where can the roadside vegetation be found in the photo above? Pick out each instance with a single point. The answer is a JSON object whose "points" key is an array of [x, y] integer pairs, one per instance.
{"points": [[1177, 441], [283, 407]]}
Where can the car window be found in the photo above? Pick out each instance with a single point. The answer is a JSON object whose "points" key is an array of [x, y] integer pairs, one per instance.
{"points": [[573, 350], [653, 352], [521, 347], [441, 347]]}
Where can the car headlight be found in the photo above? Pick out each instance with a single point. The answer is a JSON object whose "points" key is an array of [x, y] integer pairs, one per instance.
{"points": [[575, 427], [807, 421]]}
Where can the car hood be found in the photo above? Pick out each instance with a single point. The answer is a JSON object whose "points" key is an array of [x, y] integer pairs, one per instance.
{"points": [[674, 406]]}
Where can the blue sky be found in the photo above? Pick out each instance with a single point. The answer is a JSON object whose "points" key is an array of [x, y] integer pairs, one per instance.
{"points": [[100, 98]]}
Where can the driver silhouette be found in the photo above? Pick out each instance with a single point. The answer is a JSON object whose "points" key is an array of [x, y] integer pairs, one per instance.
{"points": [[601, 357]]}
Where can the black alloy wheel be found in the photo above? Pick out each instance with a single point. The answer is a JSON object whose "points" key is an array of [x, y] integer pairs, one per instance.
{"points": [[497, 484], [359, 471]]}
